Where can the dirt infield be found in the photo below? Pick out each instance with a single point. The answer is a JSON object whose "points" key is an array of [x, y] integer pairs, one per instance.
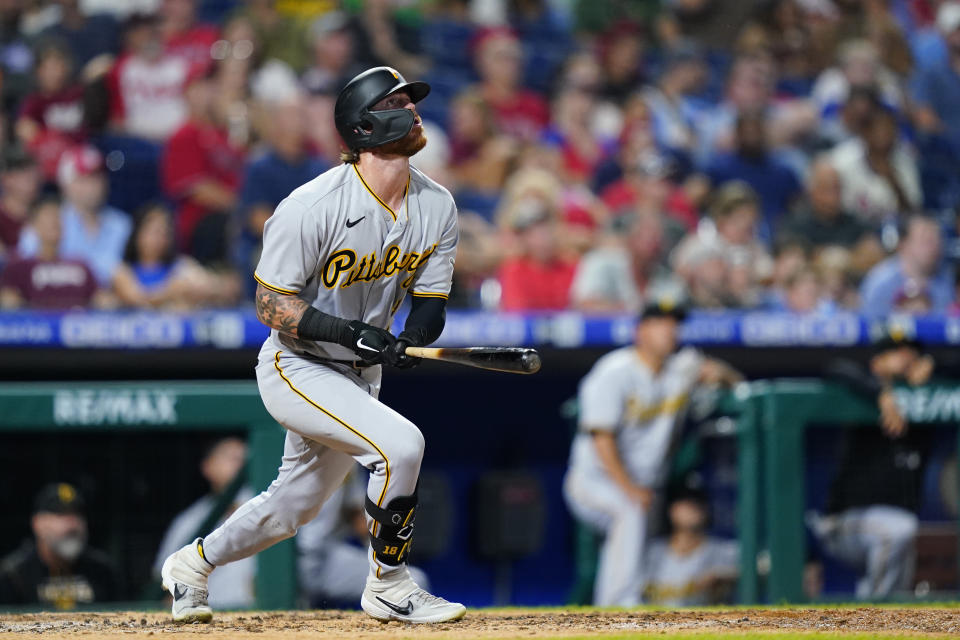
{"points": [[490, 623]]}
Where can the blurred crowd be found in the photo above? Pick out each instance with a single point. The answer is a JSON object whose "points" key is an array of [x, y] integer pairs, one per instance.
{"points": [[795, 155]]}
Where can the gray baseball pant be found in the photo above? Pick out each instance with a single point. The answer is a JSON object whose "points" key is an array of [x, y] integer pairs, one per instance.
{"points": [[332, 417]]}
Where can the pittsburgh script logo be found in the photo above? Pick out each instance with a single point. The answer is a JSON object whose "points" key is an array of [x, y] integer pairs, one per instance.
{"points": [[369, 268]]}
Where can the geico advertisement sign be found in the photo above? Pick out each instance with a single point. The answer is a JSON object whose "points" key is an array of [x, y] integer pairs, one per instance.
{"points": [[121, 330]]}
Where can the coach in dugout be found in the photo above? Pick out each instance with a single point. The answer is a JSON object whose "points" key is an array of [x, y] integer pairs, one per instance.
{"points": [[57, 569], [870, 522], [630, 405]]}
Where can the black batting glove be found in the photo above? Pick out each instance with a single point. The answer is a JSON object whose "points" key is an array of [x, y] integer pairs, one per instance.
{"points": [[373, 344], [403, 361]]}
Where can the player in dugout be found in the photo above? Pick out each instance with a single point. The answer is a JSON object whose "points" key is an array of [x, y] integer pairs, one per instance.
{"points": [[57, 569], [870, 521], [631, 402]]}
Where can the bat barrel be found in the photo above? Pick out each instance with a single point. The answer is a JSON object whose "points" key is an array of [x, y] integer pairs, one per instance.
{"points": [[507, 359]]}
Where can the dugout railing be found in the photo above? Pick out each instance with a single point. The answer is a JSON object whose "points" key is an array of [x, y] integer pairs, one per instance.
{"points": [[771, 417]]}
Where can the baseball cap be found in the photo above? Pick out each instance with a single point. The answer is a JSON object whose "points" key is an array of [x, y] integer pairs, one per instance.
{"points": [[948, 17], [59, 497], [664, 306], [78, 161], [894, 335]]}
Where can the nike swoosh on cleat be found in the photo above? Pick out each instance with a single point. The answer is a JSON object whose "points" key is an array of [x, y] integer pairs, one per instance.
{"points": [[361, 345], [178, 592], [405, 610], [351, 223]]}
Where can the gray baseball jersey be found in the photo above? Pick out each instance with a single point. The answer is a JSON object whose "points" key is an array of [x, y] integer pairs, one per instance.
{"points": [[621, 394], [336, 245], [675, 580]]}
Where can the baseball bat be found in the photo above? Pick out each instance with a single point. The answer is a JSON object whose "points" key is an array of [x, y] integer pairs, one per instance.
{"points": [[508, 359]]}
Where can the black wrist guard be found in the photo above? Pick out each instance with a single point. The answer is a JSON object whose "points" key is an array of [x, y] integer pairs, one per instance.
{"points": [[317, 325]]}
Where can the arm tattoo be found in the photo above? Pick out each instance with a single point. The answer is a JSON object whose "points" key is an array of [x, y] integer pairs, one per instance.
{"points": [[279, 311]]}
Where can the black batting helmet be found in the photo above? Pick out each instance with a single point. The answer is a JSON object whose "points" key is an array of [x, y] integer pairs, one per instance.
{"points": [[361, 128]]}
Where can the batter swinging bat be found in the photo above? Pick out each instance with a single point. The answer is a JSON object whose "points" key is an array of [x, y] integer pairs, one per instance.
{"points": [[509, 359]]}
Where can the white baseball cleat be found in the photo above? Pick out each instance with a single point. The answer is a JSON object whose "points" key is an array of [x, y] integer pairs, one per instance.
{"points": [[402, 599], [184, 574]]}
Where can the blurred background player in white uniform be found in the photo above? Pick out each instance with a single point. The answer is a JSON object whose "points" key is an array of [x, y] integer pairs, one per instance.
{"points": [[630, 404], [232, 587], [689, 567]]}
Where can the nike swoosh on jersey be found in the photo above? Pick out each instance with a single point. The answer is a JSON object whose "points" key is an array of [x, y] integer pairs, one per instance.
{"points": [[351, 223], [361, 345], [405, 610]]}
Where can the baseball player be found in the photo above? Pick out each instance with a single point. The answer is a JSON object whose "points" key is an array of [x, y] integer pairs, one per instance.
{"points": [[339, 256], [629, 407]]}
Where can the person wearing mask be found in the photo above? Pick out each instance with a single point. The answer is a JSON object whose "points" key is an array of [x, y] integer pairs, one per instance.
{"points": [[56, 569]]}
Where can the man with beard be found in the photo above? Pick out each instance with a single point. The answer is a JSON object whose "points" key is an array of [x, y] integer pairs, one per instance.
{"points": [[339, 256], [57, 569]]}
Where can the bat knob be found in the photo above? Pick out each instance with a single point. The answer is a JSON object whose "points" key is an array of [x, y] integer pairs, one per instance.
{"points": [[530, 361]]}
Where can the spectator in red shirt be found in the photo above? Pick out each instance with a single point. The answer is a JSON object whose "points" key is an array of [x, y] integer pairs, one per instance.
{"points": [[201, 172], [499, 60], [146, 85], [183, 36], [51, 118], [539, 277], [19, 186], [47, 281]]}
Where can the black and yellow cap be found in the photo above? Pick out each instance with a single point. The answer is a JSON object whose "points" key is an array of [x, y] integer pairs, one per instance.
{"points": [[894, 336], [59, 497], [664, 306]]}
